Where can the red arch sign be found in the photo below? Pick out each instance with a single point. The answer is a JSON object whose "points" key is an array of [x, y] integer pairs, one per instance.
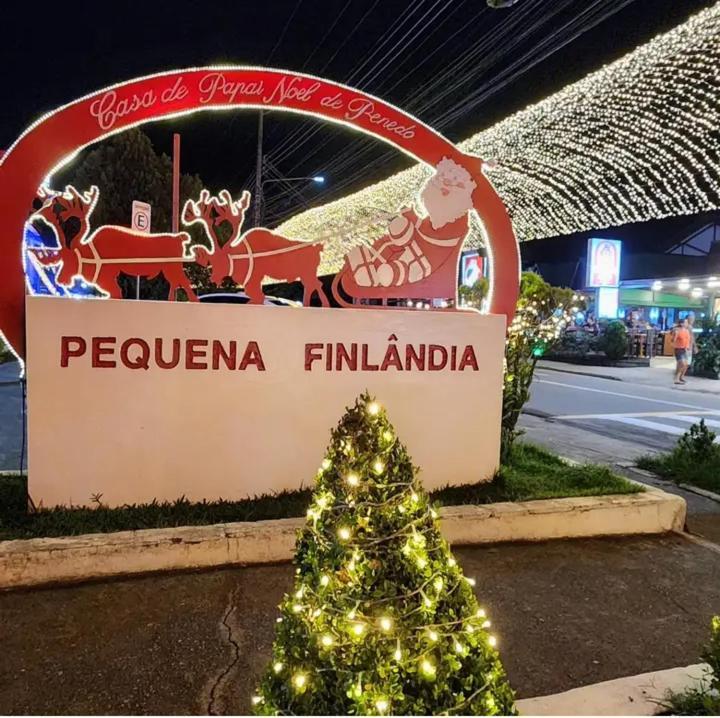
{"points": [[55, 138]]}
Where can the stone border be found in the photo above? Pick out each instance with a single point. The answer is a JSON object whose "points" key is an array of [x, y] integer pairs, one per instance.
{"points": [[34, 562], [628, 696]]}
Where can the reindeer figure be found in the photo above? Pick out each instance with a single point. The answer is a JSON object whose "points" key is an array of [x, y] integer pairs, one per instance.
{"points": [[251, 256], [99, 257]]}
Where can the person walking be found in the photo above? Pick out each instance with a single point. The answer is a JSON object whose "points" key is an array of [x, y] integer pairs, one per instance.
{"points": [[681, 344]]}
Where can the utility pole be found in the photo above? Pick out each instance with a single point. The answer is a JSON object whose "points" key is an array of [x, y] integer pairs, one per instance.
{"points": [[258, 172], [176, 184]]}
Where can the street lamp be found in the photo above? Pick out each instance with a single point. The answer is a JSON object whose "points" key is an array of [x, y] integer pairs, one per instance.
{"points": [[317, 178]]}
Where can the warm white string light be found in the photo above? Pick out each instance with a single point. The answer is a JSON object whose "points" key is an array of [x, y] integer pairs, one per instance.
{"points": [[635, 140], [329, 606]]}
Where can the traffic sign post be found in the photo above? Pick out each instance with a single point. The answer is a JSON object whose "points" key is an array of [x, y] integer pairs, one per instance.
{"points": [[141, 217]]}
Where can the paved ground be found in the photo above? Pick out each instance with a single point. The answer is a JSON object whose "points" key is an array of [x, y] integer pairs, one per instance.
{"points": [[10, 417], [567, 614], [614, 422], [650, 416], [658, 374]]}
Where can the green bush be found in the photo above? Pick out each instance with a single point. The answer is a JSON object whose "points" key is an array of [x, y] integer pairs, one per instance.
{"points": [[474, 295], [5, 353], [613, 341], [576, 343], [13, 499], [707, 359], [694, 460]]}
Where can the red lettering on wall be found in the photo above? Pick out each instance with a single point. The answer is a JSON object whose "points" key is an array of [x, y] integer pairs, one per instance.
{"points": [[311, 355], [413, 357], [99, 351], [468, 359], [438, 357], [392, 358], [141, 358], [175, 354], [364, 365], [328, 357], [71, 347], [341, 355], [195, 350], [229, 357], [252, 356]]}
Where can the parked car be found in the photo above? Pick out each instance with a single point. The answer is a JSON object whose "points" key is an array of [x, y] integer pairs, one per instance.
{"points": [[242, 298]]}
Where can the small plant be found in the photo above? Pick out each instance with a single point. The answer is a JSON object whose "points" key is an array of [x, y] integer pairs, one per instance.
{"points": [[694, 460], [698, 442], [381, 619], [703, 700], [613, 342], [97, 500]]}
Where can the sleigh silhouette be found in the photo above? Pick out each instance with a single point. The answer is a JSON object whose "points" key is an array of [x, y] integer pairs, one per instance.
{"points": [[440, 283]]}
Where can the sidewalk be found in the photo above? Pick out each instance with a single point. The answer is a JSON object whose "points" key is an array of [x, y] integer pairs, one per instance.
{"points": [[659, 374]]}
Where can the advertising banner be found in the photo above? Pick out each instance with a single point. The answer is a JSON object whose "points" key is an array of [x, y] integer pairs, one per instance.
{"points": [[603, 262]]}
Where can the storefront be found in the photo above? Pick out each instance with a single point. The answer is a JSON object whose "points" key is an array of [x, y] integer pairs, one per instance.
{"points": [[651, 307]]}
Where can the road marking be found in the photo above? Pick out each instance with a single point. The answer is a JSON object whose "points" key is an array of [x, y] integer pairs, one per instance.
{"points": [[645, 424], [617, 393], [673, 414], [654, 425], [694, 420]]}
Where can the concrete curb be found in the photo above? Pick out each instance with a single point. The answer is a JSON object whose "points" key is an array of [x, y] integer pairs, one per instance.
{"points": [[701, 492], [34, 562], [630, 696], [595, 375]]}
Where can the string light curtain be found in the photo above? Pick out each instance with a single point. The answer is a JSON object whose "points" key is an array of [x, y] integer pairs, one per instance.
{"points": [[636, 140]]}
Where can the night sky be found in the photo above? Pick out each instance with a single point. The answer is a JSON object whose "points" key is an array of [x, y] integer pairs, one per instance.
{"points": [[53, 53]]}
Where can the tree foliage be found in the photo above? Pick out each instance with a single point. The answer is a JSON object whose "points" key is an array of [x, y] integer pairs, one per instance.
{"points": [[542, 313], [474, 295], [126, 167], [381, 619]]}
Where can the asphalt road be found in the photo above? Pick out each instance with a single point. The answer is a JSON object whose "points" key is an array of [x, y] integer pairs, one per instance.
{"points": [[648, 416], [11, 434]]}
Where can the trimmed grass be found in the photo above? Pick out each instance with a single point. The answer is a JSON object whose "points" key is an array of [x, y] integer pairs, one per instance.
{"points": [[533, 473], [705, 474]]}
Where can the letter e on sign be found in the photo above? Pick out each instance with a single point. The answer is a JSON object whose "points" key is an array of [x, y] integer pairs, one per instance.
{"points": [[141, 212]]}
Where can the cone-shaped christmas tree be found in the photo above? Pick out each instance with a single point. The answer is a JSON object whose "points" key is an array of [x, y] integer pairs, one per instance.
{"points": [[381, 619]]}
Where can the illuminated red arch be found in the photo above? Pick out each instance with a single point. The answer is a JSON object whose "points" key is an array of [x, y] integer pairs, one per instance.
{"points": [[56, 137]]}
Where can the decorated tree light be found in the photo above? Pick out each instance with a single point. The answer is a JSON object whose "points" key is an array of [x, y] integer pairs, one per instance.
{"points": [[381, 619]]}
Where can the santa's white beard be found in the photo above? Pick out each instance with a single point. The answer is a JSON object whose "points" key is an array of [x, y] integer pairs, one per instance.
{"points": [[445, 208]]}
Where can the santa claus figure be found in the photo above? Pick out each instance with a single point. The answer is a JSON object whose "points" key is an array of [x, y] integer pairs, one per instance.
{"points": [[415, 246]]}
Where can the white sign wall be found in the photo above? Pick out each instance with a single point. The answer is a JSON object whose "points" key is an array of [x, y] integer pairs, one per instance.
{"points": [[156, 400]]}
